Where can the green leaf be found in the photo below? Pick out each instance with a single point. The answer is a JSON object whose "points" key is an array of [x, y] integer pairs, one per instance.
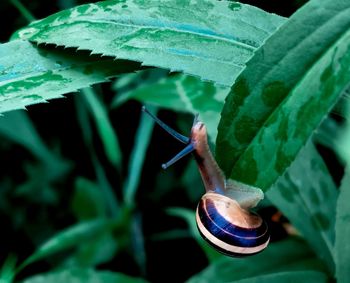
{"points": [[286, 90], [210, 39], [40, 175], [342, 232], [30, 75], [329, 133], [341, 146], [307, 196], [27, 136], [102, 180], [83, 276], [184, 94], [104, 127], [71, 237], [88, 202], [137, 157], [288, 255], [93, 252], [8, 269], [288, 277], [127, 83]]}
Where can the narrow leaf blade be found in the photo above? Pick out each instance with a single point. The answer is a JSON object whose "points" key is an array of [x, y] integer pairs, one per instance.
{"points": [[71, 237], [104, 127], [307, 196]]}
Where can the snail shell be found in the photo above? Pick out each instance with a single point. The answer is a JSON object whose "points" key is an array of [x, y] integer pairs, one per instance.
{"points": [[223, 214], [228, 228]]}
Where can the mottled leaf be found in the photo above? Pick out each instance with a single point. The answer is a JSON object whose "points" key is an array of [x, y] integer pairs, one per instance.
{"points": [[342, 232], [30, 75], [287, 255], [184, 94], [83, 276], [210, 39], [286, 90], [307, 196]]}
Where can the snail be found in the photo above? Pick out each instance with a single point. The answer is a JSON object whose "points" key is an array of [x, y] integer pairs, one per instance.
{"points": [[223, 217]]}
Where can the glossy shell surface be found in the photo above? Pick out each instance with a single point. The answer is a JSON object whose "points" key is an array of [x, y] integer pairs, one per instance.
{"points": [[229, 228]]}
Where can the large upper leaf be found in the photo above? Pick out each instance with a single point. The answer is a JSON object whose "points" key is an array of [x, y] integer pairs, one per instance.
{"points": [[285, 91], [307, 196], [30, 75], [210, 39]]}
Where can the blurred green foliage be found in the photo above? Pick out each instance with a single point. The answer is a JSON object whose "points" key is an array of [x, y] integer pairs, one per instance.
{"points": [[83, 197]]}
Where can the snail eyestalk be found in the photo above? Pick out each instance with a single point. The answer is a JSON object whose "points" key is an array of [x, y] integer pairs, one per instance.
{"points": [[165, 127], [187, 150]]}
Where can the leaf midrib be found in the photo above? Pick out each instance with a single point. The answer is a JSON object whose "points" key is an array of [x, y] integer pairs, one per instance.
{"points": [[173, 26], [116, 56]]}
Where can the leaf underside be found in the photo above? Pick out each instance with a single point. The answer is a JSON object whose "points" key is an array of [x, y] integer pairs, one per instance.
{"points": [[180, 93], [30, 75], [209, 39]]}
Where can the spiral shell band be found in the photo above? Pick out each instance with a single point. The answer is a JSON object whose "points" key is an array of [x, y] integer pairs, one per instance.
{"points": [[224, 235]]}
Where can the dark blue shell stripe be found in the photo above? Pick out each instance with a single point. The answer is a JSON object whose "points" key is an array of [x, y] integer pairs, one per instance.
{"points": [[226, 252], [226, 231], [231, 228]]}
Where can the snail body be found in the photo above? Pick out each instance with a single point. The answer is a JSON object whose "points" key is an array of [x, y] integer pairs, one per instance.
{"points": [[223, 213]]}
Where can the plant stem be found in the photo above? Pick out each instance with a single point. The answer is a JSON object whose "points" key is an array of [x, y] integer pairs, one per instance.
{"points": [[137, 157]]}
